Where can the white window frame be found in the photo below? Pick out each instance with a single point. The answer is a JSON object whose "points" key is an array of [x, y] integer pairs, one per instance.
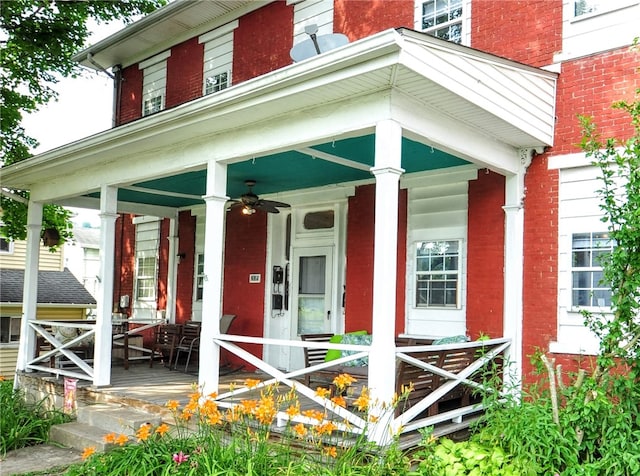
{"points": [[218, 58], [14, 323], [593, 267], [464, 20], [434, 272], [154, 83], [9, 246], [143, 278]]}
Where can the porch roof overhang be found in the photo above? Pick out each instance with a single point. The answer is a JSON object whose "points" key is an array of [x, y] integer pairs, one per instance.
{"points": [[456, 106]]}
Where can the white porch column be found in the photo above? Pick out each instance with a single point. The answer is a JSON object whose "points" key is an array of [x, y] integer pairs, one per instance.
{"points": [[27, 346], [215, 201], [387, 172], [103, 343], [514, 267], [172, 271]]}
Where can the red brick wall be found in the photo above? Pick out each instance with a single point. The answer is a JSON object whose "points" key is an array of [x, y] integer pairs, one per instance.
{"points": [[186, 266], [365, 17], [245, 253], [360, 242], [525, 31], [262, 41], [124, 265], [540, 258], [184, 72], [485, 256], [163, 263], [130, 95], [589, 86]]}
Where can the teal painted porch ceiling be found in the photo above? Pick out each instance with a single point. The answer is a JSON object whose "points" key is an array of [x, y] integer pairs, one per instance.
{"points": [[286, 171]]}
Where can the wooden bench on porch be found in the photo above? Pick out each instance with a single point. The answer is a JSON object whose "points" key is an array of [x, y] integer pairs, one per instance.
{"points": [[451, 359]]}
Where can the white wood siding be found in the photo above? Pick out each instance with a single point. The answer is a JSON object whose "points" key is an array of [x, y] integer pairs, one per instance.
{"points": [[438, 208], [17, 259], [309, 12], [579, 212], [147, 244], [612, 25]]}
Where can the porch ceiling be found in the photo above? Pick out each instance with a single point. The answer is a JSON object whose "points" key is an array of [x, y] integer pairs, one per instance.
{"points": [[311, 124], [294, 170]]}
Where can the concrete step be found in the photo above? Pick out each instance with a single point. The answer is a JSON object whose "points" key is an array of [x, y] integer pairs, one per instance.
{"points": [[94, 422], [79, 436], [116, 419]]}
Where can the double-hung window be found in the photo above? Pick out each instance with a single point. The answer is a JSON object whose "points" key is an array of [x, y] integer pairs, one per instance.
{"points": [[6, 246], [441, 18], [218, 58], [587, 251], [438, 274], [154, 83]]}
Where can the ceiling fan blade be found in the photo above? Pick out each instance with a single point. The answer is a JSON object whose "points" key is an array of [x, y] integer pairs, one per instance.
{"points": [[266, 207], [273, 203]]}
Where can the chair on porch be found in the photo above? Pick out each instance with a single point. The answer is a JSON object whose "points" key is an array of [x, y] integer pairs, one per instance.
{"points": [[189, 342], [166, 338]]}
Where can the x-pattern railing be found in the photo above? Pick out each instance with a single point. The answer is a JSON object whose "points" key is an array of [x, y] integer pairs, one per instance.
{"points": [[485, 352]]}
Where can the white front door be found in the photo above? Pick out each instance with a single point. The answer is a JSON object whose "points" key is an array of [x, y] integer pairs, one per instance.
{"points": [[312, 290]]}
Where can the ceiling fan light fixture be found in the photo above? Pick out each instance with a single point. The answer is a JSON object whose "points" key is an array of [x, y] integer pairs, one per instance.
{"points": [[248, 210]]}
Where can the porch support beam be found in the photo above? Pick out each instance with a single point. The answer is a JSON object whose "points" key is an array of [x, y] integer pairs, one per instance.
{"points": [[387, 171], [103, 337], [514, 266], [27, 346], [215, 202]]}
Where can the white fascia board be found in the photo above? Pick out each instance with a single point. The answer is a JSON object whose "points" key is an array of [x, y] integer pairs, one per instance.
{"points": [[123, 207], [432, 128]]}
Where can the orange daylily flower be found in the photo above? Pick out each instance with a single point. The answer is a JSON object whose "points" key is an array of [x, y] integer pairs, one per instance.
{"points": [[330, 451], [252, 382], [340, 401], [323, 392], [110, 438], [293, 410], [88, 452], [122, 440], [162, 429], [300, 430], [344, 380], [173, 405], [326, 428], [315, 414], [144, 432], [362, 402]]}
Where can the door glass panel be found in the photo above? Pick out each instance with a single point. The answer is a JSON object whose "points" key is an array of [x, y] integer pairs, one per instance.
{"points": [[311, 298]]}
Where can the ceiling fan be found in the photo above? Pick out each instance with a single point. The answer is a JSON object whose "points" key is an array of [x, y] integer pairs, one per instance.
{"points": [[250, 202]]}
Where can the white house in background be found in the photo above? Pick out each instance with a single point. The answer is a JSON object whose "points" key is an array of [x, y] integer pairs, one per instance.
{"points": [[82, 257]]}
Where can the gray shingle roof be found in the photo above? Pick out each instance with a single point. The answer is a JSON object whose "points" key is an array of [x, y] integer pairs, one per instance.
{"points": [[54, 287]]}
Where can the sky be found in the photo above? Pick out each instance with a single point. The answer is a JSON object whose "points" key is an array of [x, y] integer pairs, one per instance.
{"points": [[84, 107]]}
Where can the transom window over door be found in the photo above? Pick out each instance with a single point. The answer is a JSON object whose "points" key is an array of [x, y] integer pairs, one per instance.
{"points": [[438, 274], [441, 18], [587, 252]]}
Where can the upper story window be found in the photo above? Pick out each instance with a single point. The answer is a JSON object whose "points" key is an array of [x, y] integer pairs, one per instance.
{"points": [[154, 83], [586, 7], [218, 58], [438, 274], [441, 18], [588, 288]]}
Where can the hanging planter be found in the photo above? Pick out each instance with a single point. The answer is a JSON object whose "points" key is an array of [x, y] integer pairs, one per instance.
{"points": [[50, 237]]}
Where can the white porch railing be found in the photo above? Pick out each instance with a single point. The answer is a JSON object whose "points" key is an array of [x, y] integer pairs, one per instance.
{"points": [[46, 331], [74, 357], [406, 421]]}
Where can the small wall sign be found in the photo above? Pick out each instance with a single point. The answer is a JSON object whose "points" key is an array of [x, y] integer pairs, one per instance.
{"points": [[255, 278]]}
